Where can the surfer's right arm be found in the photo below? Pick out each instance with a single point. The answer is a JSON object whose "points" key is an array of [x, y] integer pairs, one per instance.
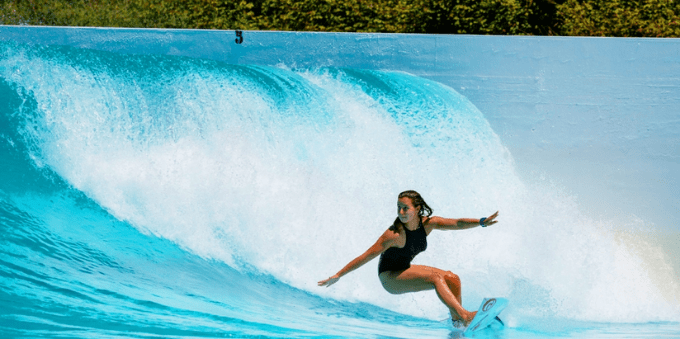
{"points": [[385, 241]]}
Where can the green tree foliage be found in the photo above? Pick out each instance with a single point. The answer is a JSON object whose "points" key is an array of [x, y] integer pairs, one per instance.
{"points": [[103, 13], [624, 18], [397, 16], [535, 17], [490, 17]]}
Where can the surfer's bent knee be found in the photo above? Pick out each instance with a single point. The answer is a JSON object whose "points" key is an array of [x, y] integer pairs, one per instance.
{"points": [[452, 276], [438, 278]]}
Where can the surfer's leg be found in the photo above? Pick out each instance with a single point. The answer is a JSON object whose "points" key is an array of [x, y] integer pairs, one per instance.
{"points": [[453, 282], [421, 278]]}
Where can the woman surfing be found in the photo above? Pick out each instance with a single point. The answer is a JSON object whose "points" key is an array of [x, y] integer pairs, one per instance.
{"points": [[402, 242]]}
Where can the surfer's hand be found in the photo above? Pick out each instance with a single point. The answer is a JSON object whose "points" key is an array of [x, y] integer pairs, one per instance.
{"points": [[330, 281], [491, 220]]}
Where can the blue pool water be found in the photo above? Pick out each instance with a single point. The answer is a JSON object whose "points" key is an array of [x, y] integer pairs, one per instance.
{"points": [[159, 195]]}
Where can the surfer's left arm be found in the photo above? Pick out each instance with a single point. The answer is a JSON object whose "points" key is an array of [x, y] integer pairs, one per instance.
{"points": [[440, 223]]}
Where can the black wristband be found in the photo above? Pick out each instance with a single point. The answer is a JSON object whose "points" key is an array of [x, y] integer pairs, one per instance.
{"points": [[481, 222]]}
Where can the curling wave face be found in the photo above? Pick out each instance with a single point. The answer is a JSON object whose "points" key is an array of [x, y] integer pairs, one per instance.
{"points": [[172, 189]]}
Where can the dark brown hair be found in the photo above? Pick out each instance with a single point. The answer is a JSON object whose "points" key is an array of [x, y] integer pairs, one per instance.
{"points": [[417, 201]]}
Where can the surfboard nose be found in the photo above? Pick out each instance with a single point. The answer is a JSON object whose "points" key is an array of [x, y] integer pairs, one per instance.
{"points": [[487, 314]]}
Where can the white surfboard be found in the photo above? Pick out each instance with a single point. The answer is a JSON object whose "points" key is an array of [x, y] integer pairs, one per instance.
{"points": [[486, 315]]}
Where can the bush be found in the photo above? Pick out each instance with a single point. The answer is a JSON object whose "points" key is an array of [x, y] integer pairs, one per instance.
{"points": [[622, 18], [649, 18], [117, 13]]}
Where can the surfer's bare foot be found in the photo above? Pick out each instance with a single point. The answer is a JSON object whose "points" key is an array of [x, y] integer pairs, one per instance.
{"points": [[464, 321], [470, 316]]}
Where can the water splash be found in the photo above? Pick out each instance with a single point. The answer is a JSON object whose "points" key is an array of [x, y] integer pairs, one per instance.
{"points": [[294, 172]]}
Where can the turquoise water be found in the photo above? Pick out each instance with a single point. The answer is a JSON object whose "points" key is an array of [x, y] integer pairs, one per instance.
{"points": [[165, 196]]}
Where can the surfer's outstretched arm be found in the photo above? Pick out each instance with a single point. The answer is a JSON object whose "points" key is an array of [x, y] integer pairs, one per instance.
{"points": [[439, 223], [384, 242]]}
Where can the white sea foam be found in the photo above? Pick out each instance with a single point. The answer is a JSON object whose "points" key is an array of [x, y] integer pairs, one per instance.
{"points": [[296, 173]]}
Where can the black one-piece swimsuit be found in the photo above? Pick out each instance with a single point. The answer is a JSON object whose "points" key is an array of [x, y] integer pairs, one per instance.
{"points": [[399, 258]]}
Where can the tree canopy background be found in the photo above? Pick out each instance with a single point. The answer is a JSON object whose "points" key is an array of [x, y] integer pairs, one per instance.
{"points": [[623, 18]]}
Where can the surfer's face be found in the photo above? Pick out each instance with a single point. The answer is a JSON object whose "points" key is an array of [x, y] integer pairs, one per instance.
{"points": [[405, 210]]}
